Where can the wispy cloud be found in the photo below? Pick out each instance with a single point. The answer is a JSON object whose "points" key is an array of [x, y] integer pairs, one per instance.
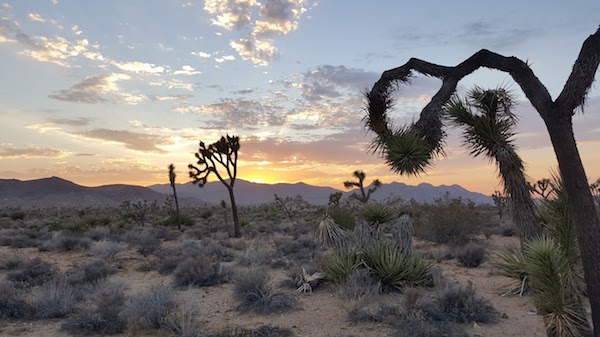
{"points": [[139, 67], [8, 151], [79, 121], [92, 89], [35, 17], [266, 21], [142, 142]]}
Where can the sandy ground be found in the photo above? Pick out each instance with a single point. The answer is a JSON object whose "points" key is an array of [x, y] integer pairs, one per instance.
{"points": [[321, 313]]}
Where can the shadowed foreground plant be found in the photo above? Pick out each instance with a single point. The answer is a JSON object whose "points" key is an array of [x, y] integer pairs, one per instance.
{"points": [[377, 214], [554, 294], [394, 268], [511, 263]]}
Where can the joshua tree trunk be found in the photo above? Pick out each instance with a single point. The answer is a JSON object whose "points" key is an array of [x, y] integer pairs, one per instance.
{"points": [[236, 221], [582, 208]]}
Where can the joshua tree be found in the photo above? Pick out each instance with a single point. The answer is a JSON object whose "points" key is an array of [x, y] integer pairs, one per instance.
{"points": [[488, 127], [222, 154], [172, 176], [409, 150], [501, 201], [595, 188], [542, 188], [334, 198], [364, 196]]}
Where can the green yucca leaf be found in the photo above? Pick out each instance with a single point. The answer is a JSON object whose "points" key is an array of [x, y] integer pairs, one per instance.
{"points": [[340, 263], [407, 153], [330, 234]]}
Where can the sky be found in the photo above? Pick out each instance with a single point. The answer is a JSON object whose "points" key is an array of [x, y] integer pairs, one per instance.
{"points": [[113, 91]]}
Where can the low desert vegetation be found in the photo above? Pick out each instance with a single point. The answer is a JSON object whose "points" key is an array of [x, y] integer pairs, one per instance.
{"points": [[381, 261]]}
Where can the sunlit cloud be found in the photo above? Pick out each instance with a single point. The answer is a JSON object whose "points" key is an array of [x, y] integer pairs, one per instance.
{"points": [[139, 67], [131, 140], [201, 54], [187, 71], [8, 151], [79, 121], [267, 20], [91, 89], [35, 17]]}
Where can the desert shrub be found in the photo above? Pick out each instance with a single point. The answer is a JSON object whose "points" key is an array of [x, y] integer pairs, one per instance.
{"points": [[460, 305], [415, 327], [368, 310], [254, 255], [451, 221], [148, 309], [13, 261], [197, 271], [63, 243], [90, 273], [194, 233], [13, 303], [205, 213], [343, 217], [340, 263], [182, 321], [301, 250], [55, 299], [147, 244], [172, 220], [98, 233], [101, 315], [471, 255], [253, 291], [394, 268], [378, 213], [261, 331], [207, 246], [106, 250], [33, 273], [359, 284], [16, 214], [508, 231]]}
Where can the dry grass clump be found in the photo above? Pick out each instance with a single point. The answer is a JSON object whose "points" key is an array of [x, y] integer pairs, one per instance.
{"points": [[254, 293]]}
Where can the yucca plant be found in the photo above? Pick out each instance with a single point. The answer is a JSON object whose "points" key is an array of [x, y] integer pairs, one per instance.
{"points": [[554, 292], [377, 213], [330, 234], [511, 263], [394, 268], [341, 262]]}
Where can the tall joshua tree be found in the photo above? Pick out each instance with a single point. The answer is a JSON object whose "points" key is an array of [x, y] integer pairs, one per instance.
{"points": [[409, 150], [223, 155], [488, 128], [172, 176], [361, 176]]}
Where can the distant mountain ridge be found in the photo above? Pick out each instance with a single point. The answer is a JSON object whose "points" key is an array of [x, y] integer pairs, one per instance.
{"points": [[247, 193], [58, 192]]}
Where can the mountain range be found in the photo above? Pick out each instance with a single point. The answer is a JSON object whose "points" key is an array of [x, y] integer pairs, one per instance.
{"points": [[57, 192]]}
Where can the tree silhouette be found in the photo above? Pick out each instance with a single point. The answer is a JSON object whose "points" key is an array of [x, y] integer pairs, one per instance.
{"points": [[542, 188], [501, 201], [364, 196], [410, 149], [488, 127], [172, 177], [223, 155]]}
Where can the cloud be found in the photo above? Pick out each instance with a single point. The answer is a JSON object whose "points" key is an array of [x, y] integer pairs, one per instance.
{"points": [[79, 121], [132, 140], [327, 81], [230, 14], [139, 67], [265, 21], [201, 54], [35, 17], [168, 97], [187, 71], [486, 35], [91, 89], [10, 152], [238, 113]]}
